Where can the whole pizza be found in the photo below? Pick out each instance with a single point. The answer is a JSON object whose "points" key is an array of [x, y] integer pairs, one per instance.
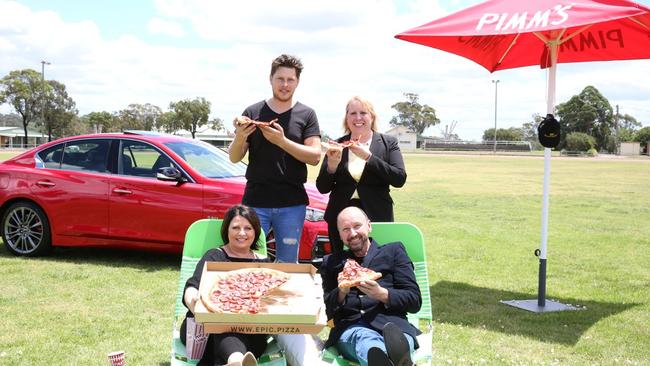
{"points": [[240, 291]]}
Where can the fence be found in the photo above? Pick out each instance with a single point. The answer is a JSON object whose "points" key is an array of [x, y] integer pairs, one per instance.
{"points": [[462, 145]]}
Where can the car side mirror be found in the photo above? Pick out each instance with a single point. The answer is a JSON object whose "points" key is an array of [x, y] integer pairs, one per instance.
{"points": [[170, 174]]}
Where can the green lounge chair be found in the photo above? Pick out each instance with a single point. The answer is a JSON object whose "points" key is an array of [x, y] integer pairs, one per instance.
{"points": [[411, 236], [202, 235]]}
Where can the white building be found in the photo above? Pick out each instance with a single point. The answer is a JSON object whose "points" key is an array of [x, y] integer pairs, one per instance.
{"points": [[407, 139], [14, 137], [630, 148]]}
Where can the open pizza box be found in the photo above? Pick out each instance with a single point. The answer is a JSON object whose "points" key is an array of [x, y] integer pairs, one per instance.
{"points": [[295, 307]]}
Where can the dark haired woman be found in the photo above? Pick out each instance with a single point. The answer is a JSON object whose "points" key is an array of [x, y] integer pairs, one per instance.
{"points": [[239, 232]]}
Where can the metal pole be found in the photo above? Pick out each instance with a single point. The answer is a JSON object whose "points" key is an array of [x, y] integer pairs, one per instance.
{"points": [[616, 141], [43, 63], [496, 84]]}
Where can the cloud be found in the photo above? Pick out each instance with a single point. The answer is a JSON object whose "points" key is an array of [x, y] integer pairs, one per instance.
{"points": [[348, 48], [165, 27]]}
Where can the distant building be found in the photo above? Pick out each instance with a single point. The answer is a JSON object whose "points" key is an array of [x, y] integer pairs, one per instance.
{"points": [[407, 139], [218, 138], [14, 137], [630, 148]]}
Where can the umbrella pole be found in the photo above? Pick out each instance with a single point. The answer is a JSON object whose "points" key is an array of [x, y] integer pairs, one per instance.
{"points": [[541, 305], [550, 109]]}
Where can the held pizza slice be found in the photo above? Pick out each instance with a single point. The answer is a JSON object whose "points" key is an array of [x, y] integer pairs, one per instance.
{"points": [[331, 144], [243, 120], [353, 274]]}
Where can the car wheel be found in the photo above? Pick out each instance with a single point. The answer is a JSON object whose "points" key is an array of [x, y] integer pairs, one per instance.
{"points": [[25, 230]]}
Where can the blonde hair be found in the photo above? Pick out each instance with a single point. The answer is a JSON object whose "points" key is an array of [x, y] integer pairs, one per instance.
{"points": [[367, 105]]}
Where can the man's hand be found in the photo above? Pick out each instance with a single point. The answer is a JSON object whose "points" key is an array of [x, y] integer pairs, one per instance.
{"points": [[374, 291], [274, 133], [343, 292]]}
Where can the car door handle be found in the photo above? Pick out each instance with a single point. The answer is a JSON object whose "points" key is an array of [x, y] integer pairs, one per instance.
{"points": [[44, 183], [122, 191]]}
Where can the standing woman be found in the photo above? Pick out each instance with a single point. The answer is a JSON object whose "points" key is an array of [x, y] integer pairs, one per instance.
{"points": [[362, 173], [240, 230]]}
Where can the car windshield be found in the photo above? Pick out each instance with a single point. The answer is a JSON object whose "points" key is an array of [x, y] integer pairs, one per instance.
{"points": [[207, 159]]}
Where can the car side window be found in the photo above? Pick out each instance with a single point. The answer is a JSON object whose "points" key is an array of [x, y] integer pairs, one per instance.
{"points": [[51, 158], [140, 159], [86, 155], [81, 155]]}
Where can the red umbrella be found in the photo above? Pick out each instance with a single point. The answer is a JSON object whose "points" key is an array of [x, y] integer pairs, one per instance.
{"points": [[505, 34]]}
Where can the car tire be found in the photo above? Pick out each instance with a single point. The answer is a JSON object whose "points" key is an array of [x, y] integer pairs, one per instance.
{"points": [[26, 230]]}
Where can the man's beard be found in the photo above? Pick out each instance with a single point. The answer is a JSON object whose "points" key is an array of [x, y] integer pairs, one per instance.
{"points": [[279, 97], [357, 244]]}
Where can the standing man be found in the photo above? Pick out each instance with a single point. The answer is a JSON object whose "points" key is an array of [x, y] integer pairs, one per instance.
{"points": [[370, 324], [277, 157]]}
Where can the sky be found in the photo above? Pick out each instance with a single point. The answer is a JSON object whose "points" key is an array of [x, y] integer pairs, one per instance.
{"points": [[112, 53]]}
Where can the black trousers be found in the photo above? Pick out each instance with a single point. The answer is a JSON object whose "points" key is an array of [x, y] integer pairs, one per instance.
{"points": [[222, 345]]}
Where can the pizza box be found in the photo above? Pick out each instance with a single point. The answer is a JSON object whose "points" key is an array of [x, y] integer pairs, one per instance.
{"points": [[295, 307]]}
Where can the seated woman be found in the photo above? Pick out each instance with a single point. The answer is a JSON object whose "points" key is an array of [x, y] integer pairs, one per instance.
{"points": [[239, 231]]}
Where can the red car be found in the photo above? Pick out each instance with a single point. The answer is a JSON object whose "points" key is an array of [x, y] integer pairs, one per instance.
{"points": [[138, 190]]}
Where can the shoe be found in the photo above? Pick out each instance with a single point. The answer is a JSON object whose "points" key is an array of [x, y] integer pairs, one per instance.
{"points": [[249, 360], [397, 346], [377, 357]]}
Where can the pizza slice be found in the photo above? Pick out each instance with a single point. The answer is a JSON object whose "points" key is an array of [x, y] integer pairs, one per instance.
{"points": [[243, 120], [331, 144], [353, 274], [240, 291]]}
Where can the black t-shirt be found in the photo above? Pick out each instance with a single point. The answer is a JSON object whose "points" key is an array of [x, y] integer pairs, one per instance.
{"points": [[275, 178]]}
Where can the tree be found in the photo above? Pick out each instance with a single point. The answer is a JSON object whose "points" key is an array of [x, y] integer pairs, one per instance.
{"points": [[413, 115], [23, 89], [100, 121], [168, 122], [138, 117], [191, 114], [529, 130], [643, 136], [579, 141], [216, 124], [76, 126], [59, 110], [11, 120], [588, 112], [627, 127], [503, 134]]}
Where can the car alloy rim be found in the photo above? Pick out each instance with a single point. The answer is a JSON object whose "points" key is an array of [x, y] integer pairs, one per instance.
{"points": [[23, 230]]}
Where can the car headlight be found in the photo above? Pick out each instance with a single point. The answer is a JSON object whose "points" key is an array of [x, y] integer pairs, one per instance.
{"points": [[314, 214]]}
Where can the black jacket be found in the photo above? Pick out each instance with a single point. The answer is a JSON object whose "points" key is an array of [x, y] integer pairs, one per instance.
{"points": [[398, 277], [384, 169]]}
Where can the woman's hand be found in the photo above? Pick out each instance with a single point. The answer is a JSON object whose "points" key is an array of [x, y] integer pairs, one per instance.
{"points": [[361, 151], [191, 297], [334, 154]]}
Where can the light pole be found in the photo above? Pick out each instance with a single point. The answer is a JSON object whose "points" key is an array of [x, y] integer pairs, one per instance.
{"points": [[496, 87], [43, 63]]}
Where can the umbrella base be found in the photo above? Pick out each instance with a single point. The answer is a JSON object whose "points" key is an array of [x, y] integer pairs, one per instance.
{"points": [[532, 305]]}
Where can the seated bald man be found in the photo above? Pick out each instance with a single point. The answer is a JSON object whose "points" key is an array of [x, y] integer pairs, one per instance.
{"points": [[370, 325]]}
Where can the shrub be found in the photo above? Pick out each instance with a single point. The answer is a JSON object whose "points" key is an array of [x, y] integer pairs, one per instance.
{"points": [[643, 136], [578, 141], [592, 152]]}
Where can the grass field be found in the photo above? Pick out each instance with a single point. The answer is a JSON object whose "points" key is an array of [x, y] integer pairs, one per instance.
{"points": [[481, 219]]}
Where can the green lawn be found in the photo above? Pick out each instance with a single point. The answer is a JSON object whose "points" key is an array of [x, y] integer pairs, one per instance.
{"points": [[481, 219]]}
